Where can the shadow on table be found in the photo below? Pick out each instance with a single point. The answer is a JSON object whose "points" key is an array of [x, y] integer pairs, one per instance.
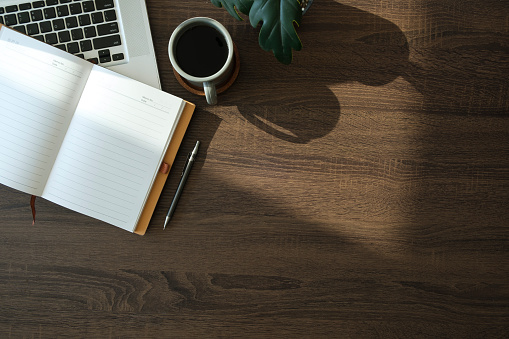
{"points": [[340, 44]]}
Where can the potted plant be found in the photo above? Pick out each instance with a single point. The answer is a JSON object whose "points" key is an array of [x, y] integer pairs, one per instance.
{"points": [[278, 18]]}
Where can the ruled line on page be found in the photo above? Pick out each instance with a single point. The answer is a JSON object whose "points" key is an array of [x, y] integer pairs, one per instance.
{"points": [[104, 143], [107, 193], [72, 202], [143, 155], [109, 135], [18, 175], [94, 160], [19, 160], [28, 141], [30, 136], [80, 197], [45, 82], [22, 53], [19, 111], [56, 74], [23, 100], [5, 147], [158, 107], [19, 183], [31, 149], [101, 183], [99, 169], [123, 163], [20, 123]]}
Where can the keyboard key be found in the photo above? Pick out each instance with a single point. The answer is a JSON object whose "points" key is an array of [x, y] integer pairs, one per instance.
{"points": [[81, 55], [1, 20], [84, 19], [32, 29], [23, 17], [110, 15], [73, 48], [46, 26], [97, 17], [2, 10], [90, 32], [71, 22], [10, 9], [36, 15], [49, 13], [93, 60], [62, 11], [62, 47], [118, 56], [105, 59], [10, 19], [104, 4], [51, 2], [51, 38], [88, 6], [106, 29], [38, 4], [86, 45], [75, 8], [103, 53], [39, 37], [107, 41], [65, 1], [25, 6], [58, 24], [64, 36], [77, 34], [104, 56], [21, 29]]}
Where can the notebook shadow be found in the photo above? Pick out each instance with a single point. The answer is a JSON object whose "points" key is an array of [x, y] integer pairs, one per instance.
{"points": [[340, 44]]}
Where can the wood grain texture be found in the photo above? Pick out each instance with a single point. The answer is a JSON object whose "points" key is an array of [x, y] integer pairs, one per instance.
{"points": [[360, 192]]}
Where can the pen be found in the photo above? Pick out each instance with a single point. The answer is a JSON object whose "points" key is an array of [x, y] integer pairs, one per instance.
{"points": [[185, 173]]}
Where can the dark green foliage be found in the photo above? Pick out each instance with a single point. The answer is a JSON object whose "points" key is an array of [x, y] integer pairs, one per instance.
{"points": [[277, 17]]}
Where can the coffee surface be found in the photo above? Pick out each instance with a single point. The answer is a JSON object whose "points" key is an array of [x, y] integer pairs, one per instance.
{"points": [[201, 51]]}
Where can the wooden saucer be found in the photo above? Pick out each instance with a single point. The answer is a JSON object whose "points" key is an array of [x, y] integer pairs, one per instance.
{"points": [[220, 88]]}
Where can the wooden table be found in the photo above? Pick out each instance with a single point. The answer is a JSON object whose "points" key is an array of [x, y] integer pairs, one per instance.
{"points": [[361, 191]]}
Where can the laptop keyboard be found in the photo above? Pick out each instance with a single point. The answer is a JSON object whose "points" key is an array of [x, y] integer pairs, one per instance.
{"points": [[90, 29]]}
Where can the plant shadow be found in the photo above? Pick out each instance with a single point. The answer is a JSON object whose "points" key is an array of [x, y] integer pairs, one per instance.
{"points": [[340, 44]]}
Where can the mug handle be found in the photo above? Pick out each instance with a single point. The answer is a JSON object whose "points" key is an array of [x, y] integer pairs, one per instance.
{"points": [[210, 92]]}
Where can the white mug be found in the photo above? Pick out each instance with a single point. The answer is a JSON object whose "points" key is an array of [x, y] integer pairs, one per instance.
{"points": [[184, 65]]}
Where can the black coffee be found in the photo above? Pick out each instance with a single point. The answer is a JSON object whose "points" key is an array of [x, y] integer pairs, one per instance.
{"points": [[201, 51]]}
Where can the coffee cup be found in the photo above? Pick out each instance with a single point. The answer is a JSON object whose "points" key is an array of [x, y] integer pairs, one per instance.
{"points": [[201, 52]]}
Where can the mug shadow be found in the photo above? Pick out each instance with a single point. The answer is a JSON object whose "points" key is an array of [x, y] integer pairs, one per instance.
{"points": [[340, 44]]}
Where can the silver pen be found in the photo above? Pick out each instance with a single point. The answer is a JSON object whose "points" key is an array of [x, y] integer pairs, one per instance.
{"points": [[185, 173]]}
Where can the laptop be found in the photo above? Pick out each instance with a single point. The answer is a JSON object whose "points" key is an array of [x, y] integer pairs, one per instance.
{"points": [[111, 33]]}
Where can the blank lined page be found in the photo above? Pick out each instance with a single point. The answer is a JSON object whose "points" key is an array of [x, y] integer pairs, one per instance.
{"points": [[113, 149], [38, 94]]}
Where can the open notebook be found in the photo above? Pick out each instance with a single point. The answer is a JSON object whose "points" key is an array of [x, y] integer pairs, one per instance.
{"points": [[80, 135]]}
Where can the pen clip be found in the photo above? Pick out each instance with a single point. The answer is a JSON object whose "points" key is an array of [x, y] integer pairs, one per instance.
{"points": [[187, 162]]}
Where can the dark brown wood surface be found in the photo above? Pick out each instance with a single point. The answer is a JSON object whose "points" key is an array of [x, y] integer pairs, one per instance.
{"points": [[362, 191]]}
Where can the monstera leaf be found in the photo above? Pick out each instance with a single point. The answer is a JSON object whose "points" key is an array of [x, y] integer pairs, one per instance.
{"points": [[277, 33], [232, 5]]}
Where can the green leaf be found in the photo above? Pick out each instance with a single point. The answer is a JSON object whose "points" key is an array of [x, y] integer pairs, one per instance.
{"points": [[244, 6], [277, 33]]}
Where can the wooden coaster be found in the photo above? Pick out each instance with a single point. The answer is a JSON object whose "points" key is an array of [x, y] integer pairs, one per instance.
{"points": [[219, 89]]}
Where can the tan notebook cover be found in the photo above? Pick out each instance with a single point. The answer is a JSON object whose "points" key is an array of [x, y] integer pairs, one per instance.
{"points": [[158, 185]]}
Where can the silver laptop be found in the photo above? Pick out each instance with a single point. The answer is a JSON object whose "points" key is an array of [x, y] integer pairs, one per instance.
{"points": [[112, 33]]}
